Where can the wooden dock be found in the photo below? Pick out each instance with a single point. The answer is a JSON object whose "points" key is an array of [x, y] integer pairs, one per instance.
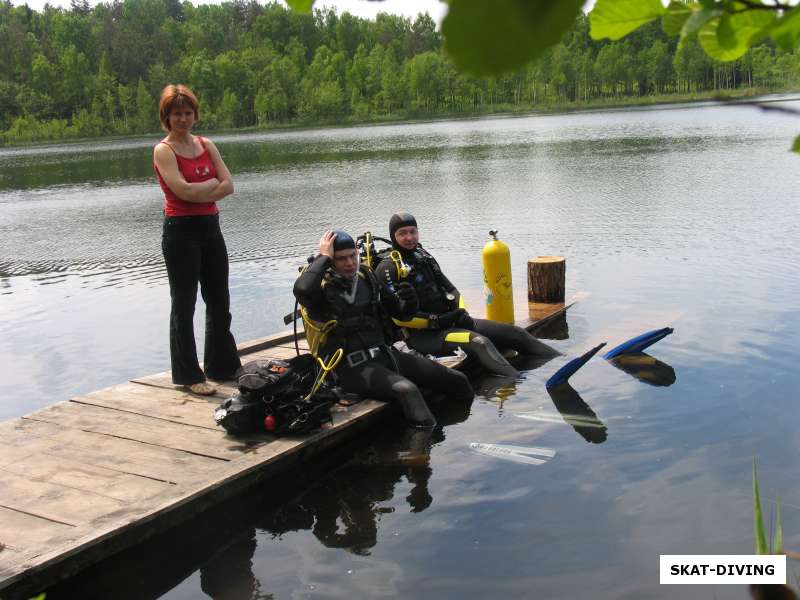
{"points": [[85, 478]]}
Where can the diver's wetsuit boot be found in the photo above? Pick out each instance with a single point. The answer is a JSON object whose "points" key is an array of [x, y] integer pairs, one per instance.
{"points": [[511, 337], [482, 348], [476, 346]]}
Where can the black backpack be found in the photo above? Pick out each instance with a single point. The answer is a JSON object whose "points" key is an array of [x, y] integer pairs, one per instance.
{"points": [[272, 398]]}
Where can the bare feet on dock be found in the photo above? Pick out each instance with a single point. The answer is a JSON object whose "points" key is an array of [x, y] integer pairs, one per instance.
{"points": [[202, 388]]}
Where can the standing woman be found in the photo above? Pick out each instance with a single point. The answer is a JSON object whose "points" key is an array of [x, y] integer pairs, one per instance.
{"points": [[194, 177]]}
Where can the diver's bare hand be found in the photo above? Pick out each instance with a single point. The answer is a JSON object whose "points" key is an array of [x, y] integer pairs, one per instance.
{"points": [[326, 243]]}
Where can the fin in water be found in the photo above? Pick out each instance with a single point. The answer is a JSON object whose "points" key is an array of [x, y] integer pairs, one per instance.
{"points": [[571, 367], [530, 455], [639, 343]]}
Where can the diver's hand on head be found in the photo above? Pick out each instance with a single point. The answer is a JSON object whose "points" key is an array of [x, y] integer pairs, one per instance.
{"points": [[326, 243]]}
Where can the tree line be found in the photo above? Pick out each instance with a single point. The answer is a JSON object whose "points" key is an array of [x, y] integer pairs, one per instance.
{"points": [[85, 72]]}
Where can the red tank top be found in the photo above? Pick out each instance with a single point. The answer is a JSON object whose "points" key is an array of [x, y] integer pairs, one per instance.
{"points": [[194, 170]]}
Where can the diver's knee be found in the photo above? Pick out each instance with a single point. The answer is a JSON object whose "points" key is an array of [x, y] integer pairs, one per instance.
{"points": [[404, 387], [462, 388], [414, 407]]}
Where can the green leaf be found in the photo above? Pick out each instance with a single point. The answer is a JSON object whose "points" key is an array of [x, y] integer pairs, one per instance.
{"points": [[777, 539], [489, 38], [786, 30], [677, 13], [696, 21], [758, 519], [739, 32], [726, 35], [301, 5], [796, 145], [615, 19]]}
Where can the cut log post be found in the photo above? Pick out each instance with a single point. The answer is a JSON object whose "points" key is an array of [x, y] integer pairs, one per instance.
{"points": [[546, 279]]}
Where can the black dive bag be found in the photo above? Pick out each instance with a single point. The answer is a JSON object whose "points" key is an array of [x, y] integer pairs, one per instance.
{"points": [[271, 398]]}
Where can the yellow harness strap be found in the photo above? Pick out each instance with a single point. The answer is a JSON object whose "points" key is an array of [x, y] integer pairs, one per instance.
{"points": [[457, 337], [326, 368], [402, 268]]}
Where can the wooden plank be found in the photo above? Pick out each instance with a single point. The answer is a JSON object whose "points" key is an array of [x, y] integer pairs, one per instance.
{"points": [[164, 380], [558, 310], [123, 529], [224, 389], [20, 530], [125, 456], [23, 535], [268, 341], [275, 352], [303, 345], [188, 438], [171, 405], [77, 474], [58, 503], [20, 433]]}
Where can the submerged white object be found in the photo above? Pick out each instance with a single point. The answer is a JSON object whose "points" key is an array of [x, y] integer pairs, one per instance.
{"points": [[580, 420], [531, 455]]}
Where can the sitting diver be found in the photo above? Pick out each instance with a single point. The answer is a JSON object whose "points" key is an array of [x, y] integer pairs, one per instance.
{"points": [[338, 292], [442, 324]]}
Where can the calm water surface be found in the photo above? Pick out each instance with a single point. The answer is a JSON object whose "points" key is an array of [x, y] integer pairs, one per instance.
{"points": [[684, 217]]}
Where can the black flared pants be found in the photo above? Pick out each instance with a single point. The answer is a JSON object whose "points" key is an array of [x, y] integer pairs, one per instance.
{"points": [[194, 252]]}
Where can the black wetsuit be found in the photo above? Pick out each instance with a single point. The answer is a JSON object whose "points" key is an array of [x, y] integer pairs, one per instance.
{"points": [[374, 369], [440, 326]]}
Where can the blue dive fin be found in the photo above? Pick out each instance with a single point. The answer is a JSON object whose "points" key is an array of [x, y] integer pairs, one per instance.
{"points": [[569, 369], [639, 343]]}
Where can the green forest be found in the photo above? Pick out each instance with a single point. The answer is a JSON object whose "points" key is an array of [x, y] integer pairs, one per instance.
{"points": [[88, 72]]}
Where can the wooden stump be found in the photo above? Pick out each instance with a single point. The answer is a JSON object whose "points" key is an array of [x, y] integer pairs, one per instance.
{"points": [[546, 279]]}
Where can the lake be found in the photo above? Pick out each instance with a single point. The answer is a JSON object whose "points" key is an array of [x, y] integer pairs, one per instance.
{"points": [[682, 216]]}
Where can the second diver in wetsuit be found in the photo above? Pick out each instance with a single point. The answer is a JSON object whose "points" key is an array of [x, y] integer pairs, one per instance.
{"points": [[355, 308], [442, 324]]}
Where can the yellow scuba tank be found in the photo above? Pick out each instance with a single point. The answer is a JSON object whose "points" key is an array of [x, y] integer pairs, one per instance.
{"points": [[497, 280]]}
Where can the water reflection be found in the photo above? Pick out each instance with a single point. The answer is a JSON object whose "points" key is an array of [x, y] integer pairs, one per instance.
{"points": [[500, 388], [229, 575], [645, 368], [554, 329], [343, 509], [578, 414]]}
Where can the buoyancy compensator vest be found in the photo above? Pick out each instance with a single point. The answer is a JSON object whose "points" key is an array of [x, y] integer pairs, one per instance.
{"points": [[277, 397], [353, 318]]}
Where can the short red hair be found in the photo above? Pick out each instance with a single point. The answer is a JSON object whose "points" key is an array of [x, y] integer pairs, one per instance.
{"points": [[173, 96]]}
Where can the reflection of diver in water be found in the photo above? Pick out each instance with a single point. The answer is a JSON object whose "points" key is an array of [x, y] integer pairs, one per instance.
{"points": [[645, 368], [353, 495], [344, 508], [229, 574], [577, 413]]}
